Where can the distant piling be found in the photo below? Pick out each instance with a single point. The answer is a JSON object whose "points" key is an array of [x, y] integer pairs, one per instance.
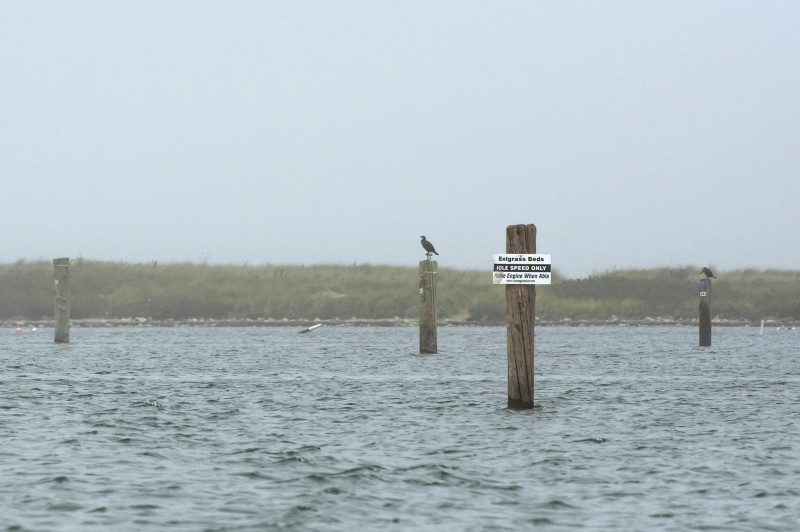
{"points": [[427, 306], [61, 275], [520, 315], [704, 323]]}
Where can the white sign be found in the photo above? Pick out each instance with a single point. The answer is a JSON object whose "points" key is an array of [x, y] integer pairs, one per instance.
{"points": [[521, 269]]}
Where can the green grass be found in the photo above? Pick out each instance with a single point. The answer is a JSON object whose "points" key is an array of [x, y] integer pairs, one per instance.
{"points": [[181, 291]]}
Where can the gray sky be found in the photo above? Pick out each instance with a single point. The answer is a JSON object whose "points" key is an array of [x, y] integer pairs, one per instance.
{"points": [[633, 134]]}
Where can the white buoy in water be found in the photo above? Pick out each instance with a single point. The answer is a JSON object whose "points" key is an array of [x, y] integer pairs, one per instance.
{"points": [[762, 327]]}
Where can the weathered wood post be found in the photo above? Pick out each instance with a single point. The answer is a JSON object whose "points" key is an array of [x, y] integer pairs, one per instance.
{"points": [[704, 324], [61, 274], [520, 314], [427, 306]]}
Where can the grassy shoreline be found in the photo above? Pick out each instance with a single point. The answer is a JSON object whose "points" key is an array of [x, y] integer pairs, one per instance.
{"points": [[272, 295]]}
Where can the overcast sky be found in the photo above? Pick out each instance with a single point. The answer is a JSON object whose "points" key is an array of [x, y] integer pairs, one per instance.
{"points": [[633, 134]]}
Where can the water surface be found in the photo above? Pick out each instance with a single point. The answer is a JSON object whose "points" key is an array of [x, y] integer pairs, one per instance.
{"points": [[350, 428]]}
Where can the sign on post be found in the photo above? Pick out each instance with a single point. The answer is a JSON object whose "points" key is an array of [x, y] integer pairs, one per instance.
{"points": [[521, 269]]}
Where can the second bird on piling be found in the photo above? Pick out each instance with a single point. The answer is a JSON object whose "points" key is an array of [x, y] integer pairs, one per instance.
{"points": [[707, 272]]}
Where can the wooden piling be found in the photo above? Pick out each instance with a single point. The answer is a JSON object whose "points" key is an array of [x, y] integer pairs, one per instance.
{"points": [[520, 313], [427, 306], [61, 274], [704, 322]]}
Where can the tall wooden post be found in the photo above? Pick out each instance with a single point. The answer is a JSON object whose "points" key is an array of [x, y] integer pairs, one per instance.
{"points": [[427, 306], [61, 274], [520, 313], [704, 324]]}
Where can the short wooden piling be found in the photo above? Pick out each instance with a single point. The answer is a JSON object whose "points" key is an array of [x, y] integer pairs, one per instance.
{"points": [[61, 274], [704, 322], [427, 306], [520, 314]]}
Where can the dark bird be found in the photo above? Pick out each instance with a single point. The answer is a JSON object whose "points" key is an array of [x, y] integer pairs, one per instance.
{"points": [[428, 247], [707, 272]]}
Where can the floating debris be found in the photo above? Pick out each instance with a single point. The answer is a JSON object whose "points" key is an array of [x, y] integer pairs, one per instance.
{"points": [[310, 328]]}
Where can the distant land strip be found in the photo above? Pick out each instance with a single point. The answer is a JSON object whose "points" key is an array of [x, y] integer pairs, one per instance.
{"points": [[106, 293]]}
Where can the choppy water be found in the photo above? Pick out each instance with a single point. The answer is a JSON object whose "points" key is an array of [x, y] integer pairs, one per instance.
{"points": [[350, 428]]}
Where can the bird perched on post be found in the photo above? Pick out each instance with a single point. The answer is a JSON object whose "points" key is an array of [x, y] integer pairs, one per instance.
{"points": [[707, 272], [428, 247]]}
